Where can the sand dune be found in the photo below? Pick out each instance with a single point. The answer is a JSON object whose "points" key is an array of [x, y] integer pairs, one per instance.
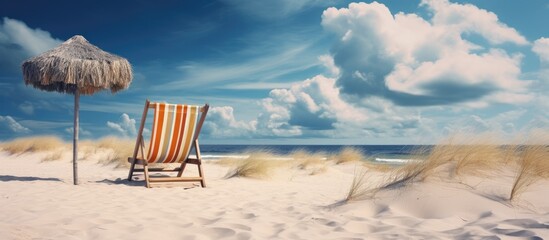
{"points": [[38, 201]]}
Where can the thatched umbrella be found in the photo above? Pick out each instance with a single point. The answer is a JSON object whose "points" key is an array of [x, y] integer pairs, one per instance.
{"points": [[77, 67]]}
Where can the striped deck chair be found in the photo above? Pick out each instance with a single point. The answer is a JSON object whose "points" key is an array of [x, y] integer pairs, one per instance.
{"points": [[174, 134]]}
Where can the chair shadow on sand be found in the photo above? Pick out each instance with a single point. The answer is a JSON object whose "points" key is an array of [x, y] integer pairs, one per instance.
{"points": [[120, 181], [139, 181], [10, 178]]}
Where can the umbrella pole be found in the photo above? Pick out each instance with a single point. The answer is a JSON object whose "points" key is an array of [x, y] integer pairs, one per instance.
{"points": [[75, 139]]}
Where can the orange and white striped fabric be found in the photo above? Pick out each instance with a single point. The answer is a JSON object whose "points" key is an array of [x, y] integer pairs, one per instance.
{"points": [[173, 132]]}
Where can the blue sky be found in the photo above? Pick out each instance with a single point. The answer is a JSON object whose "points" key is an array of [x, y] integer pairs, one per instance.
{"points": [[293, 72]]}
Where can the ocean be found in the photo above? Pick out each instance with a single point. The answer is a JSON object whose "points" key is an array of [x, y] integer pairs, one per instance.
{"points": [[390, 154]]}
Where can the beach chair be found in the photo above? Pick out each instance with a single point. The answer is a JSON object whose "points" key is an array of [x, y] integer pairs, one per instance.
{"points": [[174, 134]]}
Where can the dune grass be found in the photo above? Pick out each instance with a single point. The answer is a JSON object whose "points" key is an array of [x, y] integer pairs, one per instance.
{"points": [[33, 144], [449, 158], [262, 164], [533, 165], [402, 176], [258, 164], [359, 189], [349, 154], [379, 167], [478, 159], [56, 155], [315, 163], [469, 156], [121, 149]]}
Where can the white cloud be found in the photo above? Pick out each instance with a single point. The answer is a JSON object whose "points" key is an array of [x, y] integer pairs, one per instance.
{"points": [[328, 62], [415, 62], [222, 123], [125, 127], [81, 131], [462, 76], [13, 125], [26, 107], [316, 108], [541, 48], [468, 18], [18, 41]]}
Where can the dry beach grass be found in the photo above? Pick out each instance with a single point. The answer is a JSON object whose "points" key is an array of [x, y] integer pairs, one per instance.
{"points": [[32, 144], [451, 160]]}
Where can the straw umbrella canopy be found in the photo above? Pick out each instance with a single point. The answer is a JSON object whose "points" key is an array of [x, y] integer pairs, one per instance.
{"points": [[77, 67]]}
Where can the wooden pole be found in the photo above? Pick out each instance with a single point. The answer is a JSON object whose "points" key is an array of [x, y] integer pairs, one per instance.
{"points": [[75, 139]]}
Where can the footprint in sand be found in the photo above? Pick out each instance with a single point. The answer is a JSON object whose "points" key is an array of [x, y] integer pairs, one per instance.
{"points": [[239, 226], [219, 232], [206, 221], [526, 223], [358, 227], [248, 215], [325, 222], [514, 232], [243, 236]]}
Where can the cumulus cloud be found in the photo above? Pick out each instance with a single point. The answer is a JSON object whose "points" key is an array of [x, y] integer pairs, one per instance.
{"points": [[317, 108], [541, 48], [329, 64], [18, 42], [313, 104], [12, 125], [222, 123], [417, 62], [468, 18], [125, 126]]}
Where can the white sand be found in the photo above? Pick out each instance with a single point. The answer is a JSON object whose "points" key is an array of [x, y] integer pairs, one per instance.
{"points": [[38, 201]]}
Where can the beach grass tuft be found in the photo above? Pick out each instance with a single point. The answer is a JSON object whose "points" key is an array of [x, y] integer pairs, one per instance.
{"points": [[379, 167], [358, 189], [122, 148], [33, 144], [349, 154], [473, 156], [315, 163], [258, 164], [533, 165], [56, 155], [477, 159]]}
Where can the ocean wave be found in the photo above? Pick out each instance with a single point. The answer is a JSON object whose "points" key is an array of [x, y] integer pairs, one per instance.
{"points": [[217, 157], [210, 156], [395, 160]]}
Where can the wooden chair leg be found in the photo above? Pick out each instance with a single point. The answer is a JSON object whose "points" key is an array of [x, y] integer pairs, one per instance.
{"points": [[146, 172], [130, 175], [201, 174]]}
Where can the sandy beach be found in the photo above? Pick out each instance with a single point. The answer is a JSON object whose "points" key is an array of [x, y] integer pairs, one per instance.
{"points": [[39, 201]]}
